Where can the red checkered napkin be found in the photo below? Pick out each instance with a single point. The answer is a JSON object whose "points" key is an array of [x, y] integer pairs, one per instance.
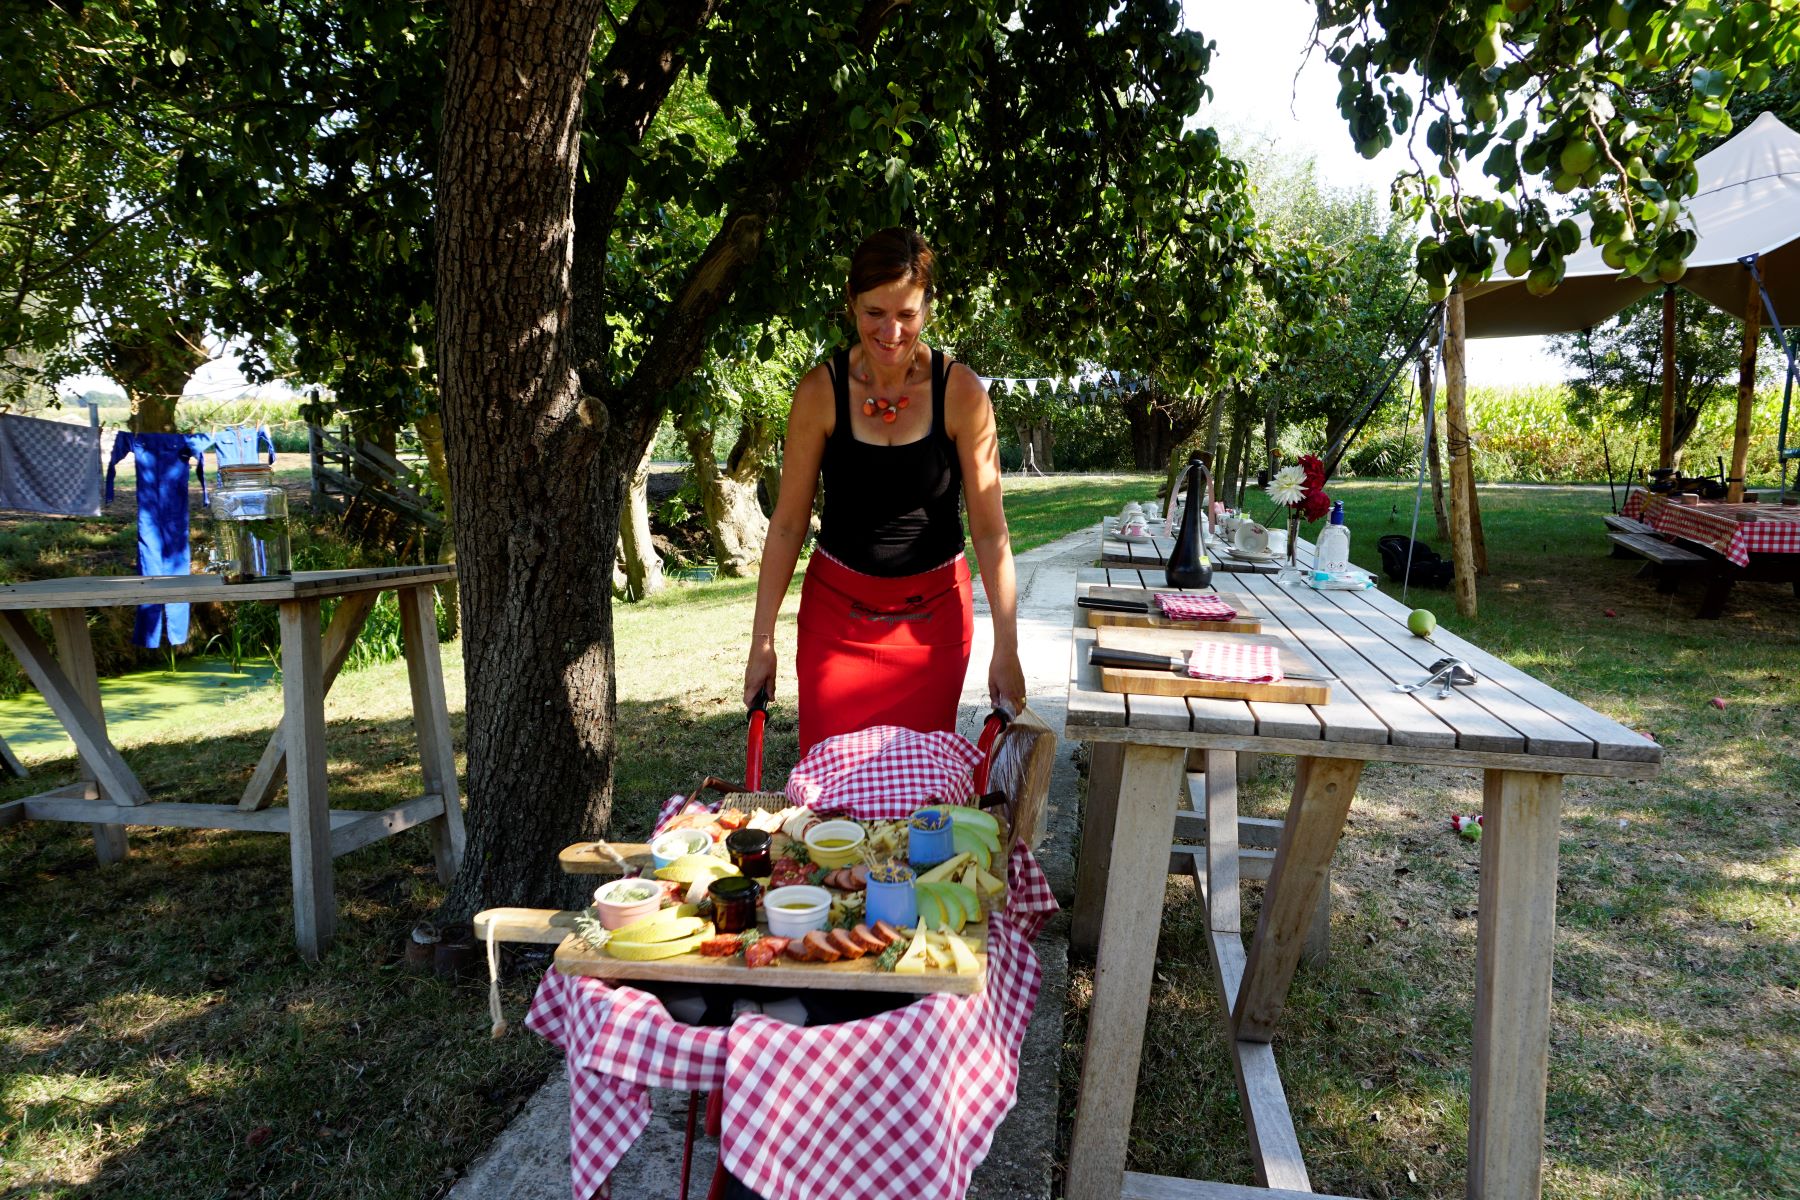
{"points": [[1194, 608], [883, 773], [1235, 662]]}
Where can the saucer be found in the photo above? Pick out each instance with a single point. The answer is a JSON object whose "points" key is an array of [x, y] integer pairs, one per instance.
{"points": [[1250, 555], [1136, 539]]}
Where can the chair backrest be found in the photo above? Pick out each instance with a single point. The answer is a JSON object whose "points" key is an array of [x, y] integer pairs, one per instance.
{"points": [[1023, 757]]}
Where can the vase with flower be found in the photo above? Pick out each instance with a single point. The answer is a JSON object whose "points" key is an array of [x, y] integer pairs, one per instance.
{"points": [[1300, 489]]}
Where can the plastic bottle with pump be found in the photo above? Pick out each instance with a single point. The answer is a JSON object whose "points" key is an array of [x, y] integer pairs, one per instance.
{"points": [[1331, 553]]}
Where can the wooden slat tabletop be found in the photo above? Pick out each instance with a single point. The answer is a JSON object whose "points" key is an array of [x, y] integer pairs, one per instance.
{"points": [[1506, 720], [105, 591]]}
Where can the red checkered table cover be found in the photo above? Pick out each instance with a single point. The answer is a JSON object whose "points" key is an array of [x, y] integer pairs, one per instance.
{"points": [[883, 773], [892, 1107], [1735, 530]]}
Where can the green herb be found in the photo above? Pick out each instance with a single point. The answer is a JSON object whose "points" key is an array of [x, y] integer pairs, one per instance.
{"points": [[817, 875], [890, 956], [748, 939], [589, 929]]}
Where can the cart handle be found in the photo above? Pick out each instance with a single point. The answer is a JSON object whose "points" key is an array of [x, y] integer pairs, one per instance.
{"points": [[753, 748], [990, 732]]}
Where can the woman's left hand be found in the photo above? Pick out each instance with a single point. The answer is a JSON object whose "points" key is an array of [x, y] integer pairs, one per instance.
{"points": [[1006, 680]]}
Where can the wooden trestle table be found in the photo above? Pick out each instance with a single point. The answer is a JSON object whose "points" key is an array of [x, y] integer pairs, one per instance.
{"points": [[110, 797], [1523, 735]]}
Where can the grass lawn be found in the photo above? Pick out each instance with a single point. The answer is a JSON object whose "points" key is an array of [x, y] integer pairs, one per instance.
{"points": [[1675, 1046], [159, 1037]]}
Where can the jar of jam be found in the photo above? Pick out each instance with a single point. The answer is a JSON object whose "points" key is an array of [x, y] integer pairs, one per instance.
{"points": [[734, 900], [749, 849]]}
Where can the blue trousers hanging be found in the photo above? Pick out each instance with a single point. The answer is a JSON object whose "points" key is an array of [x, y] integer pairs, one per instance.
{"points": [[162, 498]]}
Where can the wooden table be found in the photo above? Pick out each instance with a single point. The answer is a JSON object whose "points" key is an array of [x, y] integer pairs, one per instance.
{"points": [[109, 796], [1737, 542], [1523, 735]]}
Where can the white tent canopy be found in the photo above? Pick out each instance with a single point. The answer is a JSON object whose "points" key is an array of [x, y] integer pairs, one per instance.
{"points": [[1748, 203]]}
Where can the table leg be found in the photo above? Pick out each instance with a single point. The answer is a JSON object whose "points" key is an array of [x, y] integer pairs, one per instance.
{"points": [[1514, 949], [75, 651], [1224, 907], [1323, 788], [71, 708], [1150, 779], [309, 815], [1104, 762], [431, 720], [347, 621]]}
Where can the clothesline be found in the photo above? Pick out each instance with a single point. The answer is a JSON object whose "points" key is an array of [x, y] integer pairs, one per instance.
{"points": [[1108, 378]]}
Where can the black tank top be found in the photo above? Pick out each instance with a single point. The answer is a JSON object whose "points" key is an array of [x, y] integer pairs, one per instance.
{"points": [[891, 510]]}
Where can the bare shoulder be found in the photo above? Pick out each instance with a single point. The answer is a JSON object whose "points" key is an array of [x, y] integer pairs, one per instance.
{"points": [[966, 402], [813, 407]]}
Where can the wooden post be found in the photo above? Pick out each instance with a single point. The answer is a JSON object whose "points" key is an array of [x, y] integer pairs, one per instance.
{"points": [[303, 737], [1456, 439], [1740, 441], [75, 650], [1666, 454]]}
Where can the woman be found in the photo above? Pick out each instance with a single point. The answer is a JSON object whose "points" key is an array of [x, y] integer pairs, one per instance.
{"points": [[903, 438]]}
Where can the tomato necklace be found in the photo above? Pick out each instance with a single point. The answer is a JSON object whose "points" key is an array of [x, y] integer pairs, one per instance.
{"points": [[882, 407]]}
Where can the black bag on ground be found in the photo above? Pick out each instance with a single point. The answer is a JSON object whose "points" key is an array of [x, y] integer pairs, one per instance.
{"points": [[1428, 570]]}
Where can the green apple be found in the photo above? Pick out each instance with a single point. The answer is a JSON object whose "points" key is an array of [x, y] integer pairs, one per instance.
{"points": [[1422, 622]]}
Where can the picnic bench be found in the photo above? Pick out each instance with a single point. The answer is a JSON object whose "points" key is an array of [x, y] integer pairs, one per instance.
{"points": [[1720, 543], [110, 797], [1523, 735]]}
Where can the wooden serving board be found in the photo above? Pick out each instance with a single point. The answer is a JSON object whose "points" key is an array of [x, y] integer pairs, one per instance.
{"points": [[576, 957], [1246, 621], [1177, 642], [582, 859]]}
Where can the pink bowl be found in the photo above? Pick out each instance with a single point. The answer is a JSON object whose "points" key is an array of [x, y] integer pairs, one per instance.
{"points": [[618, 913]]}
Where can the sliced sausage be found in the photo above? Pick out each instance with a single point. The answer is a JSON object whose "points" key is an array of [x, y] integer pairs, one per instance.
{"points": [[871, 943], [796, 950], [859, 876], [887, 933], [820, 948], [844, 944]]}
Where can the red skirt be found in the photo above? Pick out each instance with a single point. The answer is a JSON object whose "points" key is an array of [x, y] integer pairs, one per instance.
{"points": [[877, 651]]}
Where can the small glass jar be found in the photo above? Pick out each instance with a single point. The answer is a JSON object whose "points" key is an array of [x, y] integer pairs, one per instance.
{"points": [[734, 900], [749, 849], [250, 527]]}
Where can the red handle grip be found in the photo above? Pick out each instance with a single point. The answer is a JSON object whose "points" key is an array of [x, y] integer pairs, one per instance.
{"points": [[990, 731]]}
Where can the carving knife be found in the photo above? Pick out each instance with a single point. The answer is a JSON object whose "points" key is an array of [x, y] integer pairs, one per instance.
{"points": [[1142, 660]]}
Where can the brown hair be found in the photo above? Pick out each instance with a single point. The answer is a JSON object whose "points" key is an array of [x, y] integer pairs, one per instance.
{"points": [[892, 254]]}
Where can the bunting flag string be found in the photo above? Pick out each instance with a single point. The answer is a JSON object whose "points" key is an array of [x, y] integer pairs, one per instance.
{"points": [[1105, 380]]}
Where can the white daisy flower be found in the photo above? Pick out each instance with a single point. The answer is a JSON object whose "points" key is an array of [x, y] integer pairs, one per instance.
{"points": [[1288, 486]]}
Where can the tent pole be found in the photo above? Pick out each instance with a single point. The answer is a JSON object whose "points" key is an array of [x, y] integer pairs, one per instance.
{"points": [[1456, 438], [1740, 442], [1666, 458], [1787, 387]]}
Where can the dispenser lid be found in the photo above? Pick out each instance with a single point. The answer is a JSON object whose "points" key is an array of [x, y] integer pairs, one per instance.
{"points": [[1337, 512]]}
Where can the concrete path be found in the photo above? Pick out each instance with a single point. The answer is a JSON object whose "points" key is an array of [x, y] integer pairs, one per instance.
{"points": [[530, 1159]]}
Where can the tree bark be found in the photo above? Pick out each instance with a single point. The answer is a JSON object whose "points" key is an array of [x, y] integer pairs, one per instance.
{"points": [[643, 566], [153, 363], [538, 488], [1158, 425], [1462, 479], [1037, 443], [735, 522]]}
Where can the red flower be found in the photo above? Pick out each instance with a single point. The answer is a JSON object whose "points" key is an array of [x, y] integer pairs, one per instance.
{"points": [[1315, 471], [1315, 504]]}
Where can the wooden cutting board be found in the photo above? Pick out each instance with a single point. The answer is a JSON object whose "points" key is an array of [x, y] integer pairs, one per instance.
{"points": [[1177, 643], [576, 957], [1246, 621]]}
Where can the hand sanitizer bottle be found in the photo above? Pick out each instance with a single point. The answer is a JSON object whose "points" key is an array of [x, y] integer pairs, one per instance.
{"points": [[1332, 552]]}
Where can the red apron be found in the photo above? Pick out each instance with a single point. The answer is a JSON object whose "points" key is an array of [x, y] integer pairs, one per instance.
{"points": [[877, 651]]}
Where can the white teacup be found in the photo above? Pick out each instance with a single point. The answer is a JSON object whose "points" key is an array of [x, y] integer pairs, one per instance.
{"points": [[1253, 538], [1152, 510], [1136, 527]]}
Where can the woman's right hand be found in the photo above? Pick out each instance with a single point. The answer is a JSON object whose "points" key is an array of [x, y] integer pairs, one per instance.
{"points": [[759, 672]]}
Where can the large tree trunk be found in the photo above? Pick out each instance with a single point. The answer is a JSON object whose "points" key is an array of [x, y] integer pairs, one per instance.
{"points": [[643, 566], [735, 521], [1037, 444], [1155, 428], [538, 489], [153, 363]]}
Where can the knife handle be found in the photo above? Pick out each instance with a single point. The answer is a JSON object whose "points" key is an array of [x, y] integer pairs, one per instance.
{"points": [[1134, 659], [1104, 605]]}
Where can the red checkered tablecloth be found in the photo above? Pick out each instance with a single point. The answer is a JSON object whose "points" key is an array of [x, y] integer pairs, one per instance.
{"points": [[1235, 662], [1735, 530], [899, 1105]]}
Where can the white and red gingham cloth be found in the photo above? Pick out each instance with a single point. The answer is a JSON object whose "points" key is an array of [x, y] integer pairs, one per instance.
{"points": [[1735, 530], [899, 1105], [1235, 662], [884, 773], [1178, 607]]}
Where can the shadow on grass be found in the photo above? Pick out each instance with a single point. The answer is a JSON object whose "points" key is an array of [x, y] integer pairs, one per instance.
{"points": [[154, 1015]]}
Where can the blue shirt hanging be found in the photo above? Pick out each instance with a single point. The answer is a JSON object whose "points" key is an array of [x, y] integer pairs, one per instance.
{"points": [[162, 498]]}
